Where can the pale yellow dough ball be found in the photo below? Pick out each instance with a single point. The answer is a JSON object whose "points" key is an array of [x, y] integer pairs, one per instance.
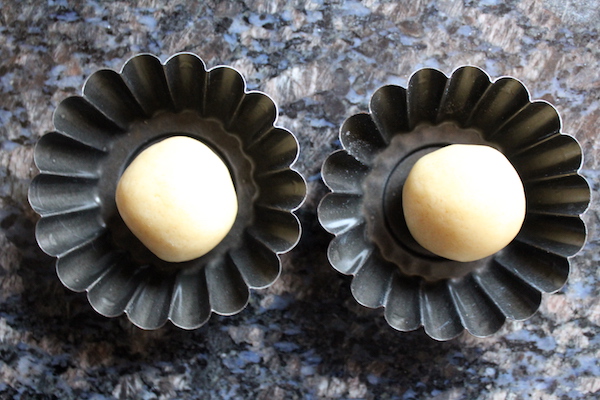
{"points": [[178, 198], [464, 202]]}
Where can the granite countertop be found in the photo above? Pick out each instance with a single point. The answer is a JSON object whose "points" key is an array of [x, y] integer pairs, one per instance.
{"points": [[304, 337]]}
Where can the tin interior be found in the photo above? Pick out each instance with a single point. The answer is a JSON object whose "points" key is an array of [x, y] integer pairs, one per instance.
{"points": [[382, 204]]}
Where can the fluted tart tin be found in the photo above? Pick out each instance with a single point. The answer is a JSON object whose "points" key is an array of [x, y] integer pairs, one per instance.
{"points": [[98, 134], [364, 208]]}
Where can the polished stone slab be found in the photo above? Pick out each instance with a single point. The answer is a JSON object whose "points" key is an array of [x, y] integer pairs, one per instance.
{"points": [[305, 337]]}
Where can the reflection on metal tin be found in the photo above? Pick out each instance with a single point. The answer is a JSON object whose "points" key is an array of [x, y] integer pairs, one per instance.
{"points": [[372, 242], [96, 136]]}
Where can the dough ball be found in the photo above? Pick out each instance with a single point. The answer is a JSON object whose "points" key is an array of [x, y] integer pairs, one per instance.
{"points": [[178, 198], [464, 202]]}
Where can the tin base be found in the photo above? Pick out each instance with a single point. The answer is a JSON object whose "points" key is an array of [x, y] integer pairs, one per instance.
{"points": [[142, 135], [383, 201]]}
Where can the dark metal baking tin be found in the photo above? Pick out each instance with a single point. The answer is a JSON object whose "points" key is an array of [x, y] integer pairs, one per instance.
{"points": [[98, 134], [364, 210]]}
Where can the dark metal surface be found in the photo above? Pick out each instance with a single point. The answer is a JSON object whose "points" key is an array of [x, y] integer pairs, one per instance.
{"points": [[364, 210], [98, 134]]}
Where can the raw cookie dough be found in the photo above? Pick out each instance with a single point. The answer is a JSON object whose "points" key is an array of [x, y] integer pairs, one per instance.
{"points": [[178, 198], [463, 202]]}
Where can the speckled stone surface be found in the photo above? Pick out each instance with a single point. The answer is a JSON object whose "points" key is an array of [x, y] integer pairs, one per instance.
{"points": [[305, 337]]}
